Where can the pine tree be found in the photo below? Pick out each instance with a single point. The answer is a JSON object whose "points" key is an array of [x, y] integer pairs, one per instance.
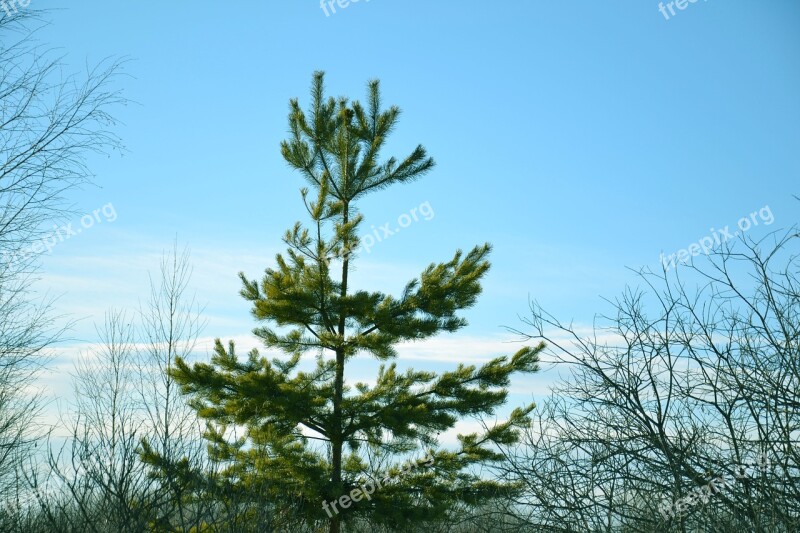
{"points": [[309, 435]]}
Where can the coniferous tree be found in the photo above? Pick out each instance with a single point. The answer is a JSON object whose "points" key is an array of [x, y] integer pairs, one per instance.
{"points": [[308, 436]]}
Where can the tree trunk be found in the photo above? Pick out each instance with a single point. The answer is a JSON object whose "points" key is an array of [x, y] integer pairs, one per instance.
{"points": [[336, 441]]}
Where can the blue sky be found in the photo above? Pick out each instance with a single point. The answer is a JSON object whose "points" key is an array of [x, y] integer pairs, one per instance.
{"points": [[580, 138]]}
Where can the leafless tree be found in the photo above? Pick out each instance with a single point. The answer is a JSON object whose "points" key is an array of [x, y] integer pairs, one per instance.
{"points": [[49, 122], [96, 480], [171, 324], [695, 376], [134, 443]]}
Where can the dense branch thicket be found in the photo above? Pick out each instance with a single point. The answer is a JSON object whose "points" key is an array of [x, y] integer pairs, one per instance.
{"points": [[682, 410]]}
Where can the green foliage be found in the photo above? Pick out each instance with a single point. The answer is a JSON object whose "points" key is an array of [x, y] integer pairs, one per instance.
{"points": [[304, 435]]}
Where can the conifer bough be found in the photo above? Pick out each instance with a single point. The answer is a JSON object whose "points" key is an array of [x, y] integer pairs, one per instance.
{"points": [[310, 435]]}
